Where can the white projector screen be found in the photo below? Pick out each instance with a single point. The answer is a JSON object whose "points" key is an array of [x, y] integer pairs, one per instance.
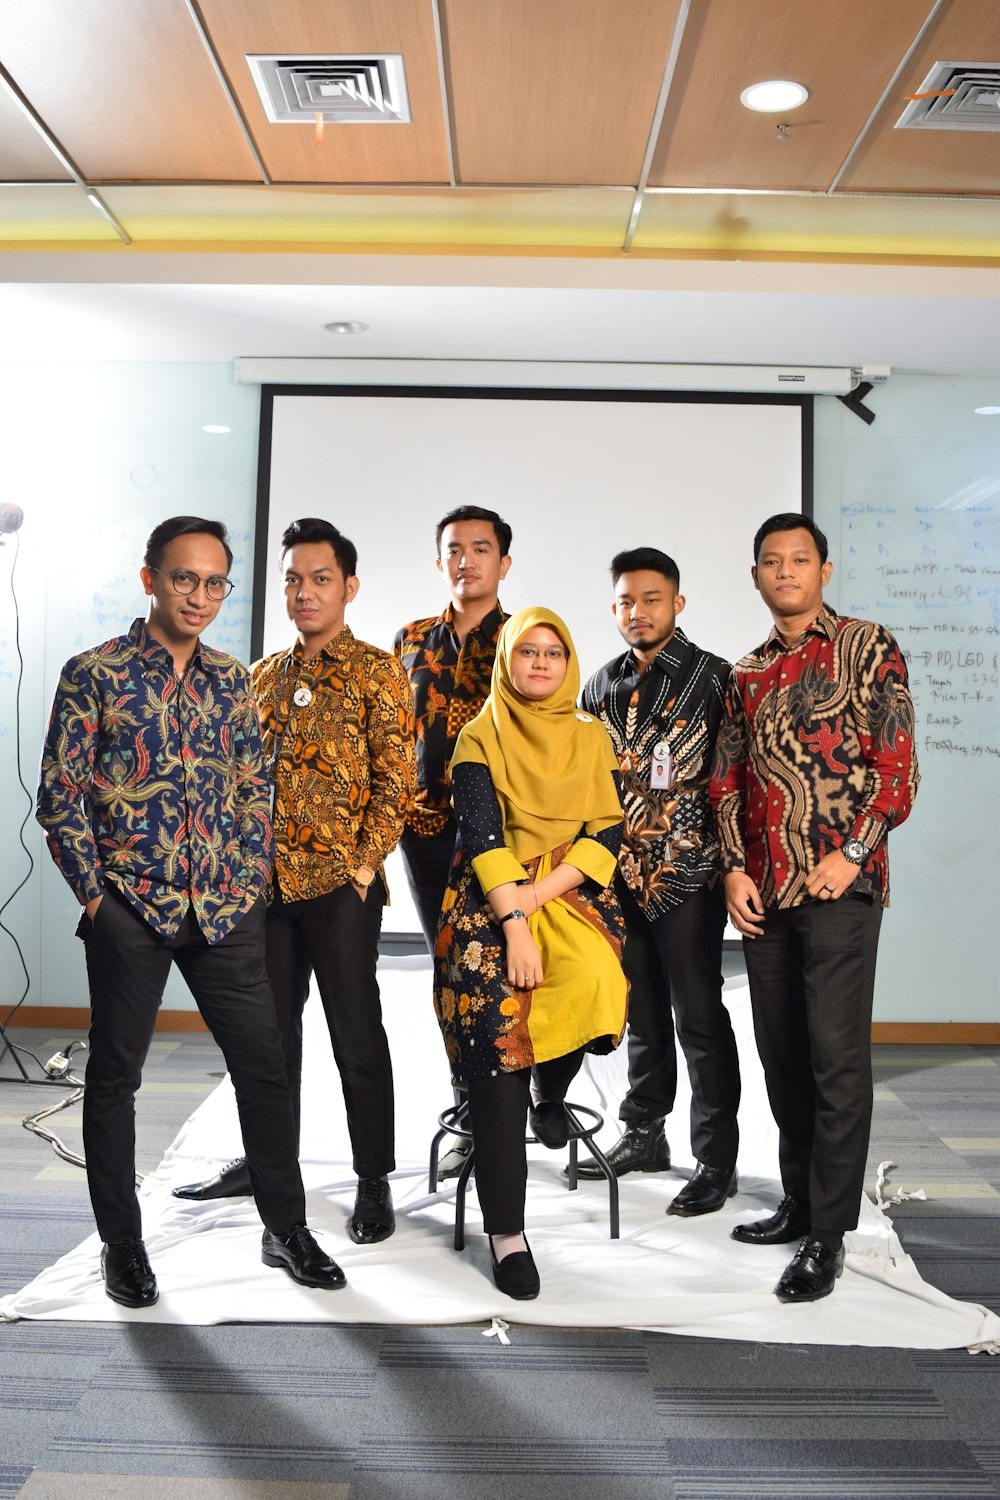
{"points": [[579, 475]]}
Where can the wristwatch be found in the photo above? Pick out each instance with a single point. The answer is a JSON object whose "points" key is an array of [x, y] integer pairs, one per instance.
{"points": [[513, 916], [855, 851], [363, 876]]}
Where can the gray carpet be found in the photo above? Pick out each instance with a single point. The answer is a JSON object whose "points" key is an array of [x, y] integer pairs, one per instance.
{"points": [[320, 1412]]}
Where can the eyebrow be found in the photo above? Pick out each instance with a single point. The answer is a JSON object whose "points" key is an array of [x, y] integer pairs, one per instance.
{"points": [[477, 541]]}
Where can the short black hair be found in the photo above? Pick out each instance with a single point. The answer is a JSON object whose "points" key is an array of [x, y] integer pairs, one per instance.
{"points": [[790, 520], [642, 559], [501, 530], [160, 537], [312, 529]]}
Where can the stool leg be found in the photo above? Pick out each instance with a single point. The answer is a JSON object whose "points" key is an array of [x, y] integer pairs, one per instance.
{"points": [[460, 1187], [432, 1172], [609, 1172], [571, 1168]]}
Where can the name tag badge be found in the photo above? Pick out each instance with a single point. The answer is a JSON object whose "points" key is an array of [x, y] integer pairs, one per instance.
{"points": [[661, 768]]}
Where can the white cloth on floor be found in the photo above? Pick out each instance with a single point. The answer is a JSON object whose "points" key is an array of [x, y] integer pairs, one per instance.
{"points": [[666, 1274]]}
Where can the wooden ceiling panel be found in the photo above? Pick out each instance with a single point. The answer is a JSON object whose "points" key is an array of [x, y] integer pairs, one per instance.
{"points": [[563, 91], [417, 152], [845, 53], [24, 156], [934, 161], [127, 88]]}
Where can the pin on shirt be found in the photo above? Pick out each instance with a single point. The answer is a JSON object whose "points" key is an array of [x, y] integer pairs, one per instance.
{"points": [[302, 697], [661, 768]]}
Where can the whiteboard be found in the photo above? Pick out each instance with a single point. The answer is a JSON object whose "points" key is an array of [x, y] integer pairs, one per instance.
{"points": [[579, 477]]}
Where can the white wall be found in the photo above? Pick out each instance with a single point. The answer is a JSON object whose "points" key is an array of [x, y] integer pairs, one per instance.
{"points": [[97, 454]]}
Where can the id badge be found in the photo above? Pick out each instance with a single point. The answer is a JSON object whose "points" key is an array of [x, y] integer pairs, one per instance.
{"points": [[661, 768]]}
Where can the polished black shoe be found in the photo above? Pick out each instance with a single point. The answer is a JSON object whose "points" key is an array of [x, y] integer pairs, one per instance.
{"points": [[640, 1148], [128, 1277], [297, 1252], [373, 1218], [232, 1182], [790, 1222], [706, 1192], [454, 1159], [811, 1273], [516, 1275], [549, 1123]]}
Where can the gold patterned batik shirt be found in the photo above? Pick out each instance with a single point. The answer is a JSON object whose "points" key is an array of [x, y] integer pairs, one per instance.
{"points": [[154, 783], [342, 760], [450, 683]]}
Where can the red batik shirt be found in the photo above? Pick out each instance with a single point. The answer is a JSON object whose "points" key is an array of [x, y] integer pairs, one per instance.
{"points": [[816, 748]]}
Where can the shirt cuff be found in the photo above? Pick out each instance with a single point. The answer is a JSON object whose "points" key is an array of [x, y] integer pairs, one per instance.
{"points": [[870, 829], [497, 867], [593, 860]]}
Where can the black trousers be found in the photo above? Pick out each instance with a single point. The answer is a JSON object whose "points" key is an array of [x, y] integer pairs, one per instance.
{"points": [[335, 937], [127, 966], [812, 981], [498, 1113], [428, 862], [675, 963]]}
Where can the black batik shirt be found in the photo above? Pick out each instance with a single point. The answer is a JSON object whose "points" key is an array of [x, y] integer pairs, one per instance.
{"points": [[670, 847]]}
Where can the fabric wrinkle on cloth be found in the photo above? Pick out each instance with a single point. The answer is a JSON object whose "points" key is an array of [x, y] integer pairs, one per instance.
{"points": [[671, 1275]]}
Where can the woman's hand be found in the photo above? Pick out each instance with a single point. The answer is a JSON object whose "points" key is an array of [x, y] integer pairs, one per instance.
{"points": [[524, 962]]}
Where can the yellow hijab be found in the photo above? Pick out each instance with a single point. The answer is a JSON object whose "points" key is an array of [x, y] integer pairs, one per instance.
{"points": [[550, 765]]}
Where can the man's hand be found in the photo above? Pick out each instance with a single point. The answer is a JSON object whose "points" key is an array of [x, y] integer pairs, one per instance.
{"points": [[832, 877], [524, 962], [91, 907], [362, 890], [746, 909]]}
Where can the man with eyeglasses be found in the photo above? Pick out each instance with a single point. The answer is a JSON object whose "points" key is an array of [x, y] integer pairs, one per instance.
{"points": [[154, 801]]}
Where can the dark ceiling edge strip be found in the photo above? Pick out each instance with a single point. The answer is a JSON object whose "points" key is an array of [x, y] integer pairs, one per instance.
{"points": [[443, 82], [884, 96], [654, 129], [220, 73], [60, 153]]}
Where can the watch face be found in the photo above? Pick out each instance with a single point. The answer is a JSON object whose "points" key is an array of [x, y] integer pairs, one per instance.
{"points": [[855, 851]]}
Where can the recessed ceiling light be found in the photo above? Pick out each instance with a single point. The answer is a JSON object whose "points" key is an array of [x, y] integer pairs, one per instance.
{"points": [[346, 327], [988, 411], [774, 97], [216, 427]]}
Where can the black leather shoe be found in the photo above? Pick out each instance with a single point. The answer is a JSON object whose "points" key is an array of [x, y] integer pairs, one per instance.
{"points": [[232, 1182], [297, 1252], [707, 1191], [811, 1273], [549, 1124], [373, 1218], [790, 1222], [640, 1148], [516, 1275], [454, 1159], [128, 1278]]}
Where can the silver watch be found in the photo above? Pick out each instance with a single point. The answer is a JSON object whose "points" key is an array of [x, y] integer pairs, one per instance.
{"points": [[855, 851]]}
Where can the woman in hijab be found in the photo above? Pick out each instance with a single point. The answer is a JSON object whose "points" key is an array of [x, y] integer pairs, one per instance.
{"points": [[527, 964]]}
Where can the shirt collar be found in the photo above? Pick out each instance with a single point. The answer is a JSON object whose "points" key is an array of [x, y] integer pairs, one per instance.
{"points": [[489, 626], [154, 654], [826, 623], [331, 650]]}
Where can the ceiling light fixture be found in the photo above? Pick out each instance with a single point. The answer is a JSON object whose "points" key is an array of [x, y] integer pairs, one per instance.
{"points": [[216, 427], [346, 327], [774, 97], [987, 411]]}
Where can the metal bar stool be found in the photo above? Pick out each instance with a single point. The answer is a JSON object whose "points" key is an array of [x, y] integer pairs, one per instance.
{"points": [[455, 1121]]}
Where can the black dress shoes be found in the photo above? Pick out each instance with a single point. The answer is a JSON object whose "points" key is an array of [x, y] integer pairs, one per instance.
{"points": [[454, 1159], [232, 1182], [811, 1273], [297, 1252], [373, 1218], [549, 1123], [516, 1275], [707, 1191], [790, 1222], [128, 1278], [640, 1148]]}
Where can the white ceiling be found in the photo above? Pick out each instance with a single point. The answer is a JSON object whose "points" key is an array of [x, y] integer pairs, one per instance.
{"points": [[929, 320]]}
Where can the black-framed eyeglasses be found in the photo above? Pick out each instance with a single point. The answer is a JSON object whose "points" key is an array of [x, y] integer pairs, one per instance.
{"points": [[184, 582]]}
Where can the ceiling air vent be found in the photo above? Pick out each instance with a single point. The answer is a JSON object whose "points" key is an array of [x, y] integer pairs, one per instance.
{"points": [[962, 96], [368, 90]]}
